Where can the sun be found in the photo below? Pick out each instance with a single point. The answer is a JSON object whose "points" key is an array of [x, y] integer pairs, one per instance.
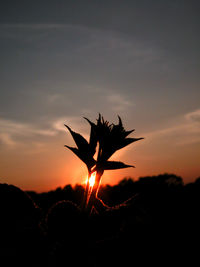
{"points": [[89, 183], [92, 179]]}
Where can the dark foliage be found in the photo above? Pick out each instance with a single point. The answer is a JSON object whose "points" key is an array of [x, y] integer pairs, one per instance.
{"points": [[154, 220], [105, 140]]}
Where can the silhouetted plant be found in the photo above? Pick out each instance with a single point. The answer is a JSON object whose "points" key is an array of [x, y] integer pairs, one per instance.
{"points": [[105, 140]]}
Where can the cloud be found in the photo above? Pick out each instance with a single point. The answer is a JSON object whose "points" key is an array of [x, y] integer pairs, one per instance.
{"points": [[118, 102], [186, 131], [10, 130], [112, 44], [193, 116], [36, 26], [78, 124], [54, 98], [6, 139], [31, 32], [13, 127]]}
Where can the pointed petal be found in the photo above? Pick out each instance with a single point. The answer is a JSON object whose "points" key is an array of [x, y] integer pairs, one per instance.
{"points": [[114, 165], [90, 122], [127, 142], [86, 158], [93, 137], [120, 121], [75, 151], [99, 119], [80, 141], [129, 132]]}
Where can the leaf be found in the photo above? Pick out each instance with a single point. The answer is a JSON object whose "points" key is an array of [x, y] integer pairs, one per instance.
{"points": [[75, 150], [93, 137], [114, 165], [85, 157], [129, 132], [80, 141], [127, 142]]}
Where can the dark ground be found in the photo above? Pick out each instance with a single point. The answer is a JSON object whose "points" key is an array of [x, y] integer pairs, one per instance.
{"points": [[151, 221]]}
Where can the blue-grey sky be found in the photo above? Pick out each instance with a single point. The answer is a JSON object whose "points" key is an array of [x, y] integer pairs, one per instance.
{"points": [[62, 60]]}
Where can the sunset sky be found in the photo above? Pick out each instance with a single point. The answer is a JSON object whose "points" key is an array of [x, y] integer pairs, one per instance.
{"points": [[63, 60]]}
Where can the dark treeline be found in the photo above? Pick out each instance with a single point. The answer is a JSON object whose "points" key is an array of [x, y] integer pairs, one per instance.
{"points": [[150, 219]]}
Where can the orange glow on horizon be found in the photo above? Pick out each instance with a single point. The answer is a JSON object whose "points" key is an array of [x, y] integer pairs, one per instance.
{"points": [[58, 169]]}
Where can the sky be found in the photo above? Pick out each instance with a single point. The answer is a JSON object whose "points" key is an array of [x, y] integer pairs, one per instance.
{"points": [[65, 60]]}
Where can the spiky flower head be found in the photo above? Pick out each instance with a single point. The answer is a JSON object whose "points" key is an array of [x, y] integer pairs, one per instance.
{"points": [[110, 137]]}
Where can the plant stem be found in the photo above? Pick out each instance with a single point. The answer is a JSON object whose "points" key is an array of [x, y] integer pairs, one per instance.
{"points": [[85, 197], [94, 191]]}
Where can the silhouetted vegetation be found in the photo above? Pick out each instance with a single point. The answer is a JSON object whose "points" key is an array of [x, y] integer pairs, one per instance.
{"points": [[138, 221], [105, 139]]}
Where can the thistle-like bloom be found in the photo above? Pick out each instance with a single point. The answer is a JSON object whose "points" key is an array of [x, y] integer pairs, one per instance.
{"points": [[109, 138]]}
